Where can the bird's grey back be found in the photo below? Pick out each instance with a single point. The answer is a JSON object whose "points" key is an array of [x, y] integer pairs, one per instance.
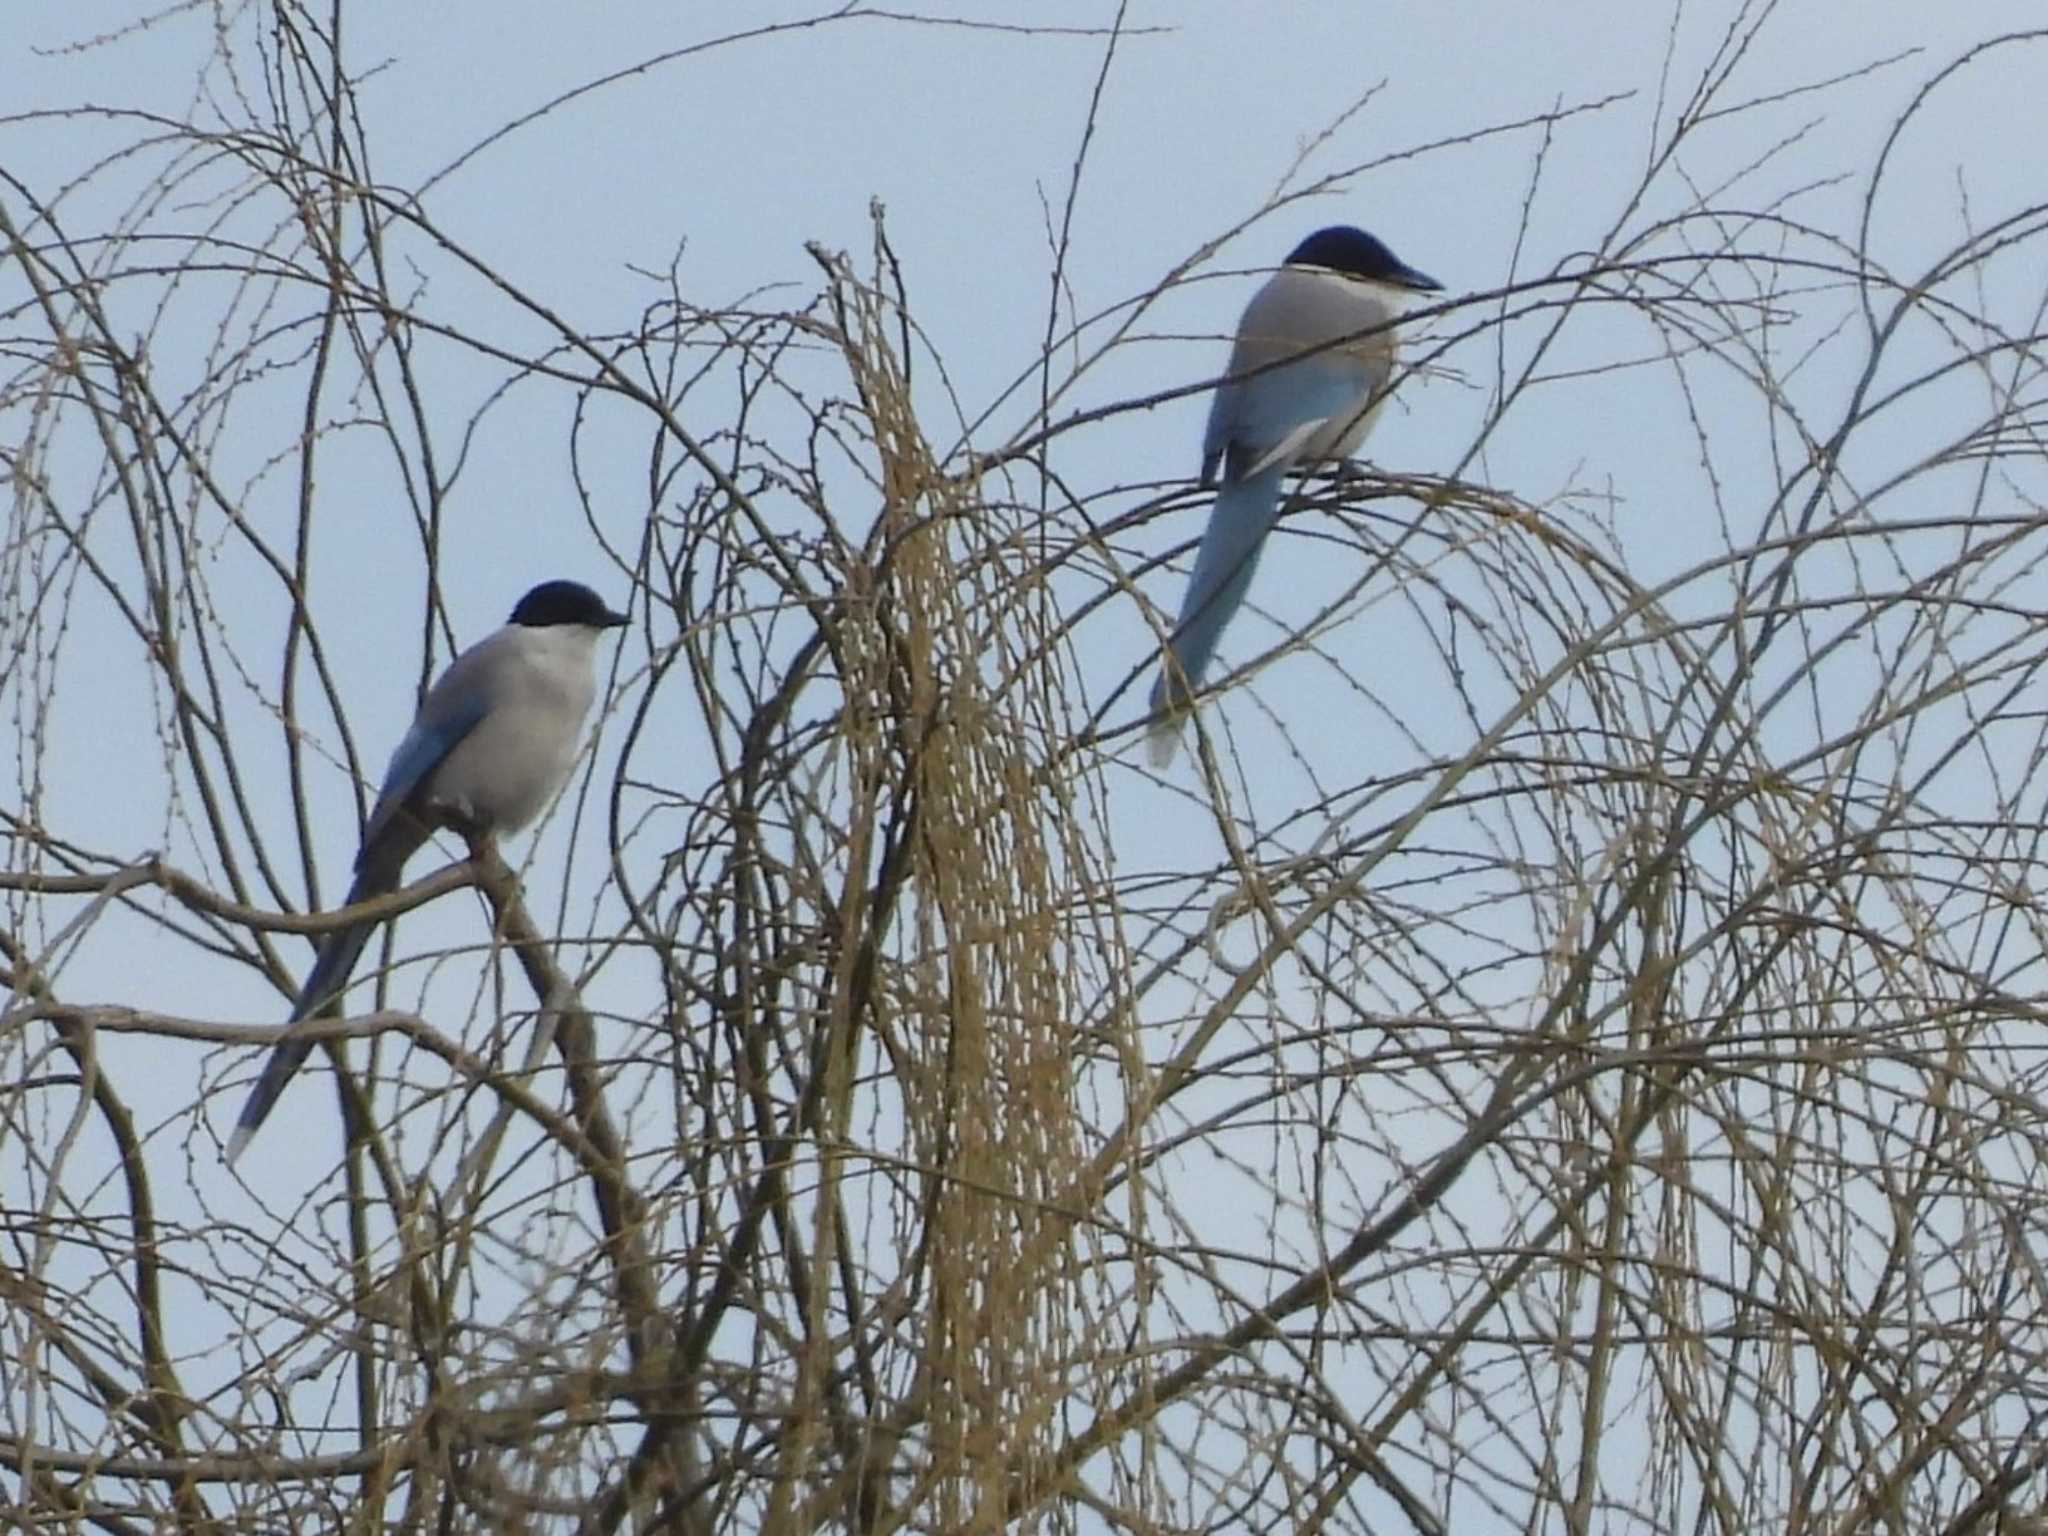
{"points": [[1297, 310], [539, 684]]}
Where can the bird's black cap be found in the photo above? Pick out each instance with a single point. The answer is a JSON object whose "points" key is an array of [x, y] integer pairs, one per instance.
{"points": [[1343, 248], [565, 602]]}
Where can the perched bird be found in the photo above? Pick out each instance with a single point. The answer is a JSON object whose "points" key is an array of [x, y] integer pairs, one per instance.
{"points": [[493, 741], [1308, 373]]}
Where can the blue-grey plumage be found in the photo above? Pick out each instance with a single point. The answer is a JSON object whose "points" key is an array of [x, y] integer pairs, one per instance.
{"points": [[1308, 373], [493, 741]]}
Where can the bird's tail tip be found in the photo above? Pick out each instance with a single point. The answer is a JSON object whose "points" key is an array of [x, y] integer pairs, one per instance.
{"points": [[1170, 707], [1162, 742], [237, 1143]]}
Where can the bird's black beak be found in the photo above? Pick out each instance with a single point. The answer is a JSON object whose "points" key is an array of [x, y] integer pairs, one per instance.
{"points": [[1421, 282]]}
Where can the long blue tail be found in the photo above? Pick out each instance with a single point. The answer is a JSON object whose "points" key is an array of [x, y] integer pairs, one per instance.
{"points": [[1244, 514], [330, 973]]}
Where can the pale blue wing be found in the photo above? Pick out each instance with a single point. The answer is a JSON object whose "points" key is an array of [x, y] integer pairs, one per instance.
{"points": [[453, 708]]}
